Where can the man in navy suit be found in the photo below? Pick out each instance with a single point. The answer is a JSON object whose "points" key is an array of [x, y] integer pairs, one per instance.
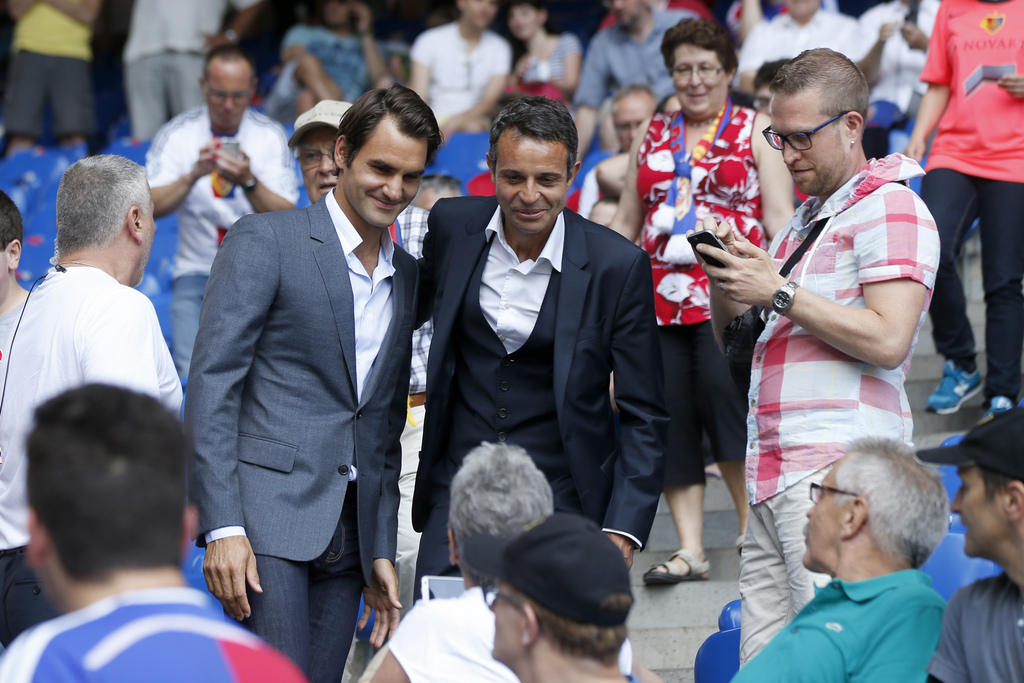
{"points": [[297, 396], [534, 309]]}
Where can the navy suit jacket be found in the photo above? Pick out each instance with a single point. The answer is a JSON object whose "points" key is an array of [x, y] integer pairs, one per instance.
{"points": [[272, 396], [606, 323]]}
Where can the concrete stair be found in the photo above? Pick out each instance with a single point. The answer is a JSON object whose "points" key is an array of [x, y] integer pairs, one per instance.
{"points": [[669, 623]]}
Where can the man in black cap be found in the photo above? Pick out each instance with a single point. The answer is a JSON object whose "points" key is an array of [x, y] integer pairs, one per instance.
{"points": [[561, 601], [983, 626]]}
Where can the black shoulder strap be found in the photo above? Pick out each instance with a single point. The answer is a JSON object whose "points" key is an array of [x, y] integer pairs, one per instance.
{"points": [[798, 254]]}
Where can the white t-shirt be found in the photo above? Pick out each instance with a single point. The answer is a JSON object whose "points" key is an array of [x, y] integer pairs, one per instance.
{"points": [[203, 217], [900, 68], [453, 639], [160, 26], [458, 77], [80, 327], [783, 38]]}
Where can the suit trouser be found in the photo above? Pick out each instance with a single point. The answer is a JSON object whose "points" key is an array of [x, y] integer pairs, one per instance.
{"points": [[309, 610], [774, 583], [24, 599]]}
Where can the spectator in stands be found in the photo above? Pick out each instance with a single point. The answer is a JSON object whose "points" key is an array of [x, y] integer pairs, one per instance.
{"points": [[848, 309], [436, 187], [713, 147], [762, 81], [106, 492], [12, 294], [875, 519], [212, 181], [632, 107], [547, 62], [497, 490], [299, 515], [313, 140], [603, 212], [561, 601], [50, 63], [981, 631], [624, 54], [893, 65], [803, 26], [460, 69], [163, 58], [83, 323], [975, 170], [337, 61]]}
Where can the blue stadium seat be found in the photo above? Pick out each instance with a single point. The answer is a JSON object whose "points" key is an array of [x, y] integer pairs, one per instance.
{"points": [[24, 176], [594, 157], [463, 156], [730, 616], [950, 568], [718, 659], [131, 149], [40, 231]]}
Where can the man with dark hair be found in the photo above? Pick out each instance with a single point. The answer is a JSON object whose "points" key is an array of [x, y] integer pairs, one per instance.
{"points": [[82, 323], [12, 294], [981, 631], [298, 396], [106, 493], [212, 180], [848, 308], [561, 601], [534, 308]]}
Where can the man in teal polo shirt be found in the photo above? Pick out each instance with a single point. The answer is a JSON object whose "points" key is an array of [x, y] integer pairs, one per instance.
{"points": [[877, 517]]}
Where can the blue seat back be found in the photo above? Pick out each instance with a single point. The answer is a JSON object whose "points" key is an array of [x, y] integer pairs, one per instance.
{"points": [[463, 156], [951, 568], [718, 658], [730, 616]]}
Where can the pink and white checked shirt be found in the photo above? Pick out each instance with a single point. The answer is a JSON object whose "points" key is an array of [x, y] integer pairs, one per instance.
{"points": [[808, 400]]}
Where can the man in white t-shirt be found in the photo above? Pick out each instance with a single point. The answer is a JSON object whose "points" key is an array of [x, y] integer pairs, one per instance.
{"points": [[12, 294], [163, 57], [460, 69], [84, 323], [498, 490], [805, 25], [213, 165]]}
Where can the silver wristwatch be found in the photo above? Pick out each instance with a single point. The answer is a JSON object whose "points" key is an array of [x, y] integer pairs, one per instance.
{"points": [[782, 300]]}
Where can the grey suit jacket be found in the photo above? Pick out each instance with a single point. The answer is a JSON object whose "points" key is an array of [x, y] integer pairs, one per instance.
{"points": [[271, 399]]}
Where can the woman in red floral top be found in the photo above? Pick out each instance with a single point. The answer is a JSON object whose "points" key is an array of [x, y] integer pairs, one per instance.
{"points": [[707, 159]]}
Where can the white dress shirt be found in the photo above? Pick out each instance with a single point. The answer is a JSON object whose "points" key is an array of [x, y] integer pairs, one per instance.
{"points": [[512, 292], [372, 310]]}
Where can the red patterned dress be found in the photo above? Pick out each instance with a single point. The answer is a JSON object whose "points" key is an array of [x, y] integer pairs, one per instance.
{"points": [[725, 185]]}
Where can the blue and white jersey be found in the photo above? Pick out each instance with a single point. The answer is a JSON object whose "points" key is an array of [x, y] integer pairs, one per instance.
{"points": [[163, 635]]}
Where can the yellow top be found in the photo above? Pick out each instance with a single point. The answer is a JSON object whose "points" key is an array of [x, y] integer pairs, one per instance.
{"points": [[48, 31]]}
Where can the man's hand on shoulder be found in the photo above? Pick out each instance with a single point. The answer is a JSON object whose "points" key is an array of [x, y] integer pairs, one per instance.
{"points": [[381, 595], [230, 564]]}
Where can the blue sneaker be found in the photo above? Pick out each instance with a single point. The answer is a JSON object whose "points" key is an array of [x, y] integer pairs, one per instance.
{"points": [[998, 404], [956, 387]]}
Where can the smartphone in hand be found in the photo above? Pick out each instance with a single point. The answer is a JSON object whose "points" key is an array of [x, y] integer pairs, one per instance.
{"points": [[709, 238]]}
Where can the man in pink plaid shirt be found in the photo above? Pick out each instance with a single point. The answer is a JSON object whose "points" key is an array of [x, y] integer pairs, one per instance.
{"points": [[839, 334]]}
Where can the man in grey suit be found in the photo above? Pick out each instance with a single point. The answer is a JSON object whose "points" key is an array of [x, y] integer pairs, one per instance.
{"points": [[297, 396]]}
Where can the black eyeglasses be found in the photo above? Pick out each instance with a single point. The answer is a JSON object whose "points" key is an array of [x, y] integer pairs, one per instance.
{"points": [[818, 490], [492, 595], [801, 142]]}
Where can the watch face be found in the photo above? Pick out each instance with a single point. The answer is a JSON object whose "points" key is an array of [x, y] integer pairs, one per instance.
{"points": [[782, 300]]}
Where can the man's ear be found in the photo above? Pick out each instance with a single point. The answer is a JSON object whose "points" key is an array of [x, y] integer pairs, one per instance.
{"points": [[13, 250], [1014, 505], [575, 170], [453, 550], [854, 519], [531, 626], [340, 153], [40, 545], [133, 222], [492, 166]]}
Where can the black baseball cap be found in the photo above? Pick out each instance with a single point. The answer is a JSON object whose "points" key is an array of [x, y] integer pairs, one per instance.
{"points": [[563, 562], [997, 445]]}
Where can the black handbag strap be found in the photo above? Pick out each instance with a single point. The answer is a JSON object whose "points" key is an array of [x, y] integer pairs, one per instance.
{"points": [[798, 254]]}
